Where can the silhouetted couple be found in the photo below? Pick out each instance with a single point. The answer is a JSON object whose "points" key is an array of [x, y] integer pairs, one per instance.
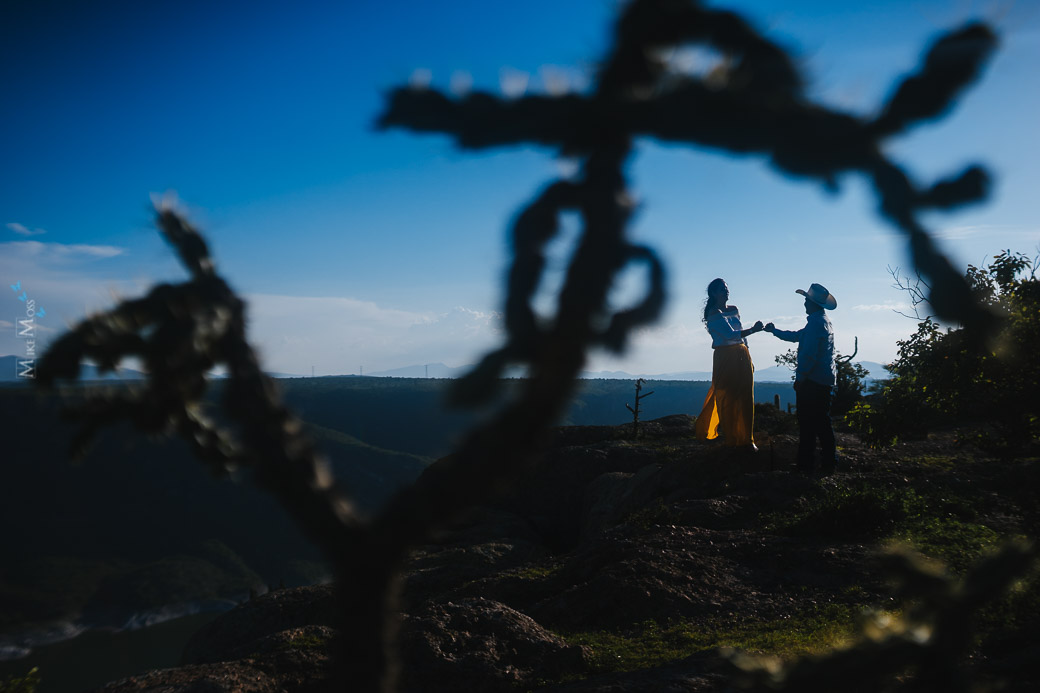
{"points": [[729, 408]]}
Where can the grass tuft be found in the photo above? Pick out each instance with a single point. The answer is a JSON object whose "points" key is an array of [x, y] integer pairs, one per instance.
{"points": [[650, 644]]}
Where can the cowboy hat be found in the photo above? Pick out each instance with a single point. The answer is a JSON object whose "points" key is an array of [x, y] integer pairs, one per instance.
{"points": [[819, 295]]}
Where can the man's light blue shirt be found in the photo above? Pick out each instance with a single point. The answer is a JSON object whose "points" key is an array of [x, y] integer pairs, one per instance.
{"points": [[815, 349]]}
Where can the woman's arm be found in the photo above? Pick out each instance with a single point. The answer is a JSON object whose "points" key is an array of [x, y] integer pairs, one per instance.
{"points": [[757, 327]]}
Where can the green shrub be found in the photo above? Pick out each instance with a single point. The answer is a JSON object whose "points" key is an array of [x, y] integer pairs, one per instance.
{"points": [[649, 644], [874, 425], [956, 543], [850, 512], [948, 377], [21, 684], [1015, 619]]}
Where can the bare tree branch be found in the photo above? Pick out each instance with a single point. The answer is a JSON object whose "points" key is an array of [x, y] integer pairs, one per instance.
{"points": [[917, 290]]}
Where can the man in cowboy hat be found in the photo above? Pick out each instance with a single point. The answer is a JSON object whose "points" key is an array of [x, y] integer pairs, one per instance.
{"points": [[814, 378]]}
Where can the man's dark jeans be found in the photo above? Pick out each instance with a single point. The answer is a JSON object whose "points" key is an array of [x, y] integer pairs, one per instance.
{"points": [[814, 421]]}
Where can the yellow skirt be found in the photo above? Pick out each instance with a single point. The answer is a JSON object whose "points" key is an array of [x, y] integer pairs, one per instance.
{"points": [[729, 407]]}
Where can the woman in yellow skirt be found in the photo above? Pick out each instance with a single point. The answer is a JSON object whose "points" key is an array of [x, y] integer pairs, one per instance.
{"points": [[729, 407]]}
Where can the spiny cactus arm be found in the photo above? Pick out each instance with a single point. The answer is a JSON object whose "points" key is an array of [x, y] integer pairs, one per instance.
{"points": [[213, 446], [106, 339], [534, 227], [94, 414], [495, 453], [806, 139], [750, 113], [210, 443], [180, 332], [602, 252], [950, 294], [645, 27], [952, 63], [577, 124], [191, 247], [480, 120], [615, 336], [970, 186], [285, 460], [138, 328]]}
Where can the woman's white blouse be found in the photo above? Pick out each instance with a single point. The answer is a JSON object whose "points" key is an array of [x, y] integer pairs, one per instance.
{"points": [[724, 328]]}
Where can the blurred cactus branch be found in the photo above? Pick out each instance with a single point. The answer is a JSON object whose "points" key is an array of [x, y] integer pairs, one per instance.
{"points": [[555, 351], [758, 108], [180, 332]]}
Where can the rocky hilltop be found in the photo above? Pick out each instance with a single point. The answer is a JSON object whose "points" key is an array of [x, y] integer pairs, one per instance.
{"points": [[630, 565]]}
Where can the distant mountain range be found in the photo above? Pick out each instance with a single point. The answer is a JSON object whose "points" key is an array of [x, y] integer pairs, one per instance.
{"points": [[773, 374], [431, 370]]}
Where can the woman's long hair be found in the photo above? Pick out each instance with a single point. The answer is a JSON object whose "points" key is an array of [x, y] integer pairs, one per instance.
{"points": [[715, 285]]}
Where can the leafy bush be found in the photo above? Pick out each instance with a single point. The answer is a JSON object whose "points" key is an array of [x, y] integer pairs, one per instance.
{"points": [[813, 631], [1014, 619], [954, 376], [21, 684], [852, 511]]}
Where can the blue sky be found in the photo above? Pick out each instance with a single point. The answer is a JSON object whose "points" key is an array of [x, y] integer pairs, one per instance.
{"points": [[385, 249]]}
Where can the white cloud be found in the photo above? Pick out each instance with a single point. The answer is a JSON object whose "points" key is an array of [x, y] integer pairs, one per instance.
{"points": [[21, 230], [677, 335], [460, 322], [59, 251], [888, 305], [960, 233], [340, 335], [61, 280]]}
